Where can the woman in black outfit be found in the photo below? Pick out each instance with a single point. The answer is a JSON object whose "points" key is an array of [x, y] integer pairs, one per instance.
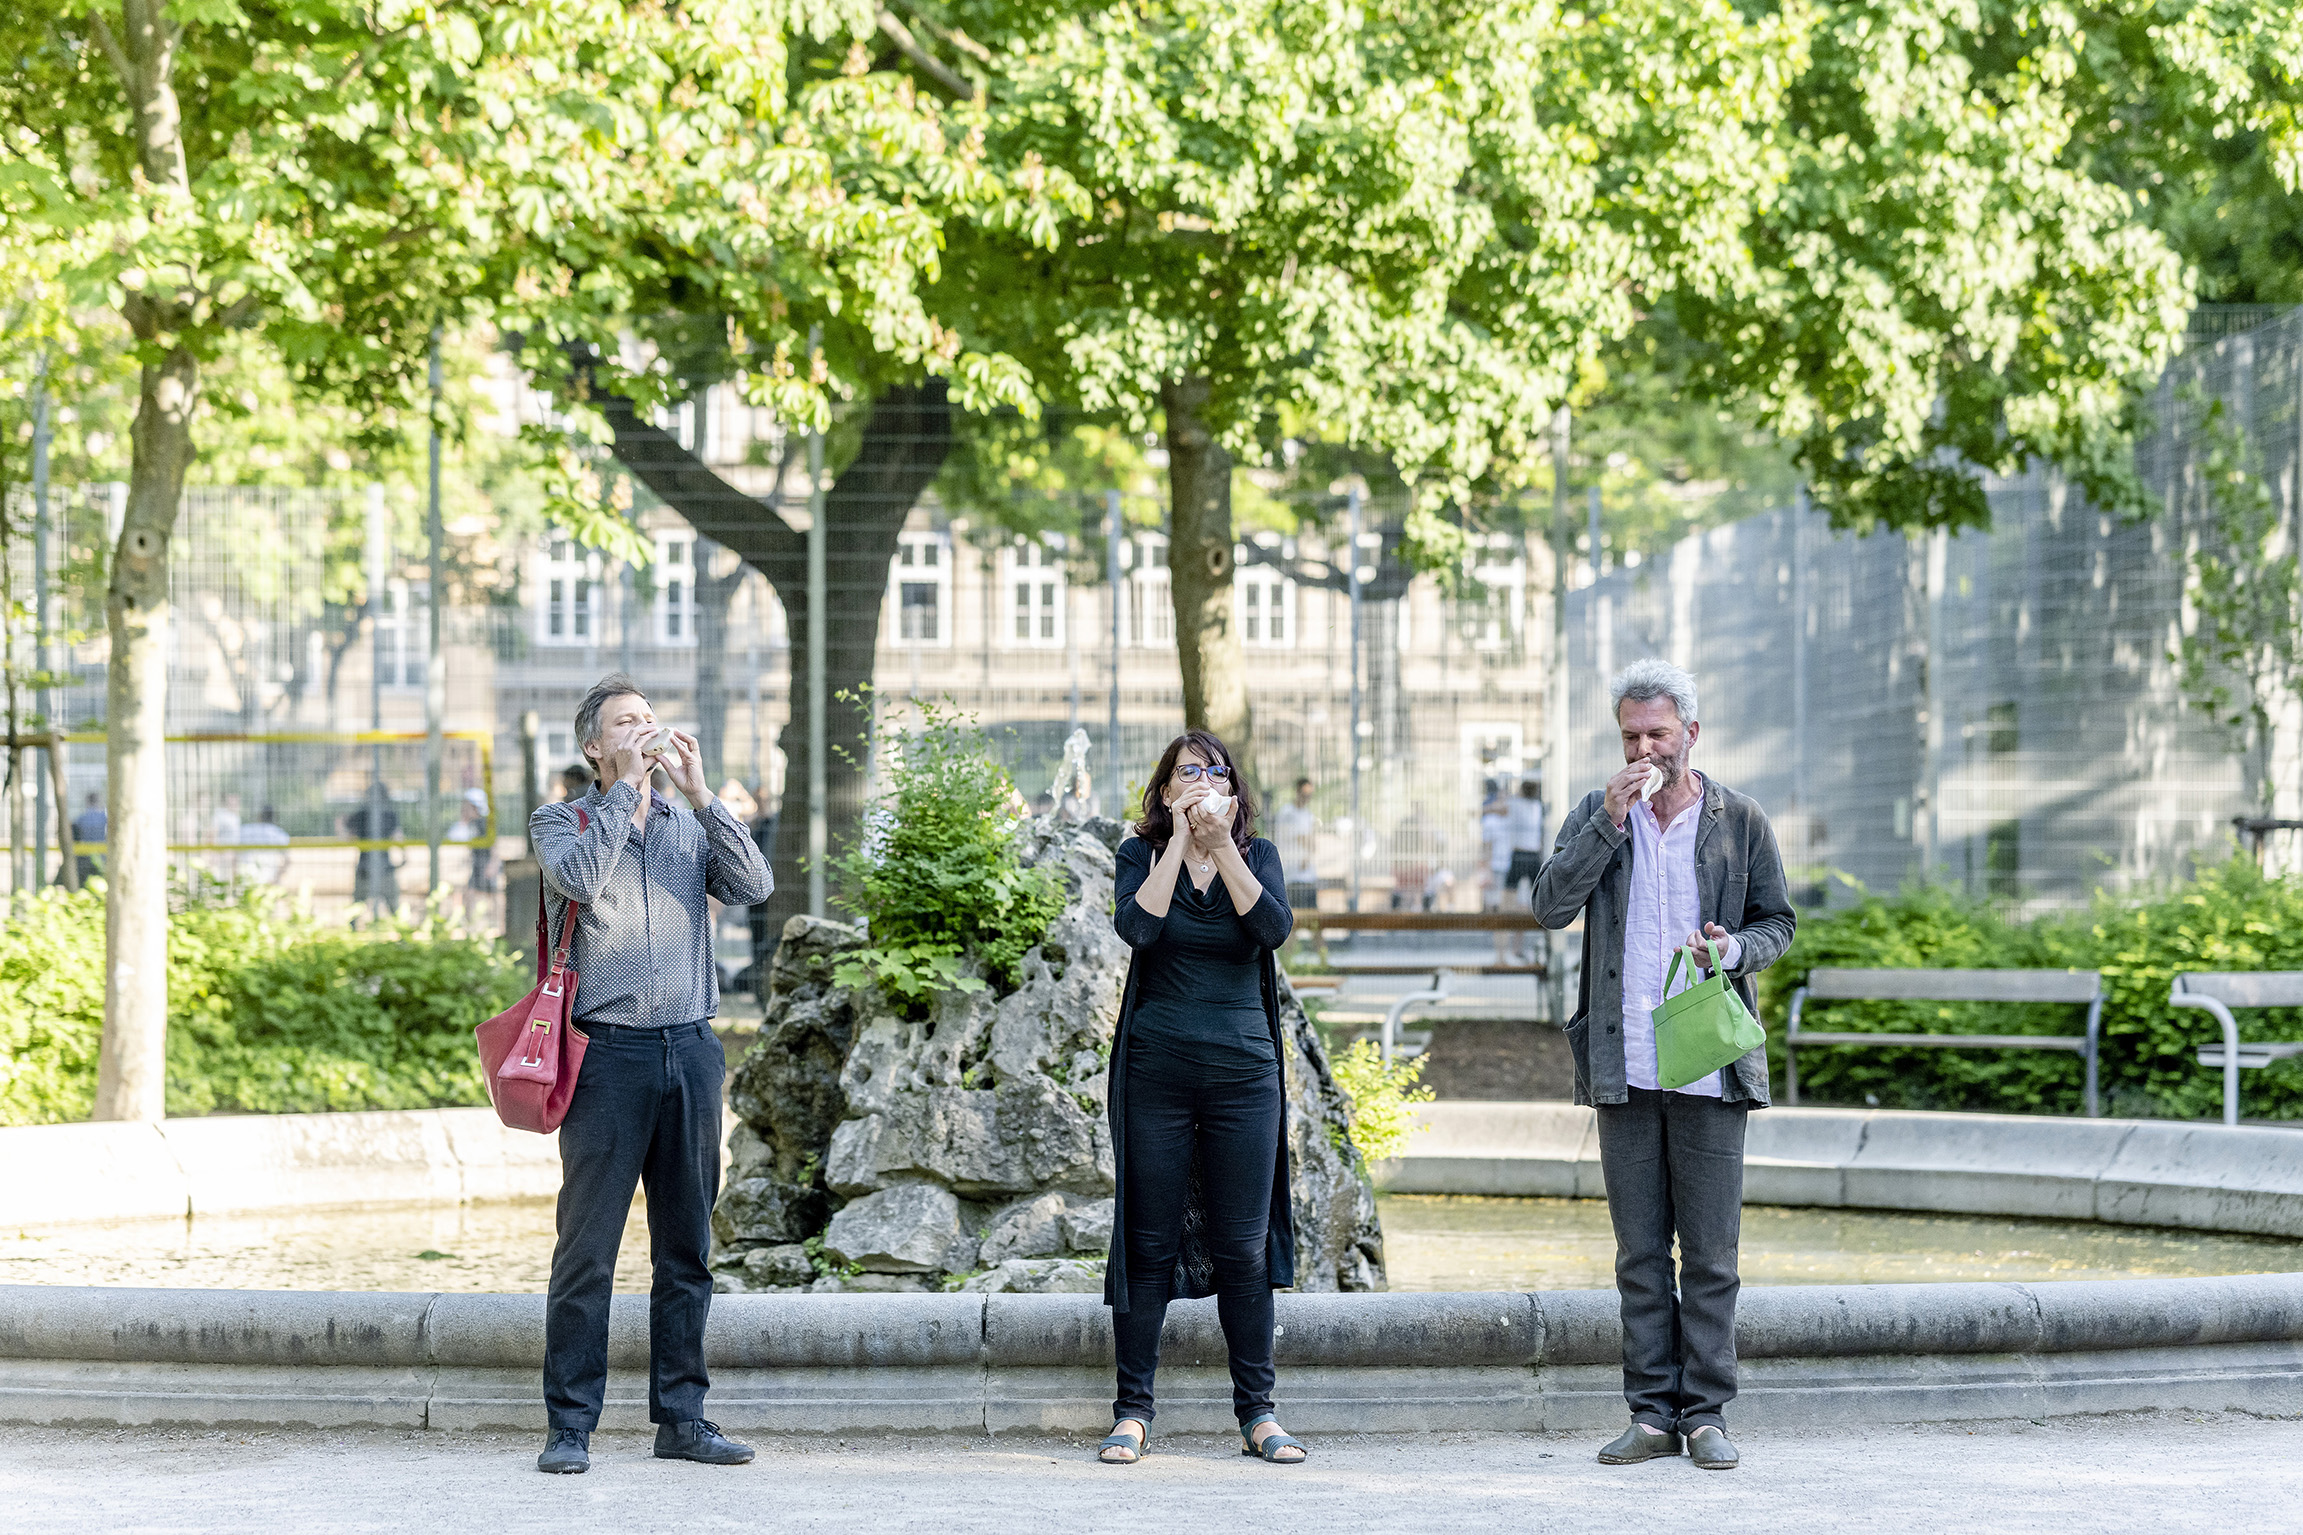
{"points": [[1198, 1119]]}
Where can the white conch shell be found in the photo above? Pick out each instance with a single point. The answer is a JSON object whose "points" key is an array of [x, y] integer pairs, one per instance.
{"points": [[1216, 804], [659, 744], [1654, 781]]}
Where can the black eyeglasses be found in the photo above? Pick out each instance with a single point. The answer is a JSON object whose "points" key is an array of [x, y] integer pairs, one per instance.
{"points": [[1190, 772]]}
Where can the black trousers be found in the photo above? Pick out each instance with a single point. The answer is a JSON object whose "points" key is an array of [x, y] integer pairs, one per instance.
{"points": [[1673, 1164], [646, 1113], [1233, 1129]]}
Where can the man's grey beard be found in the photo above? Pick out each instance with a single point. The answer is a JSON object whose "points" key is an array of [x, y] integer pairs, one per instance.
{"points": [[1674, 768]]}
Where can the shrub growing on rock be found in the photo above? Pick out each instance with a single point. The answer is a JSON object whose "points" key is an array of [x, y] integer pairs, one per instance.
{"points": [[937, 876]]}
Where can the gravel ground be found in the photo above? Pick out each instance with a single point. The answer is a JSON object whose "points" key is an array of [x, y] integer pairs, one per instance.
{"points": [[2131, 1472]]}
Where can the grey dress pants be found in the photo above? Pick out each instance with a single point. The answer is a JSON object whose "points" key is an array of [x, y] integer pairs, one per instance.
{"points": [[1673, 1163]]}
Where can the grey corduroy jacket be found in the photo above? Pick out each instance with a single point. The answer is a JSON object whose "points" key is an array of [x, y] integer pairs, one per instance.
{"points": [[1739, 881]]}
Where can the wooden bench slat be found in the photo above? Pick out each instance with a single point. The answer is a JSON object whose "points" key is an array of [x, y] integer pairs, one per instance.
{"points": [[2260, 988], [1952, 985], [2076, 1044], [1421, 921]]}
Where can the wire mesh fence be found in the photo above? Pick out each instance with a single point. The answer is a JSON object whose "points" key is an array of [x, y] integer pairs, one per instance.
{"points": [[2004, 709]]}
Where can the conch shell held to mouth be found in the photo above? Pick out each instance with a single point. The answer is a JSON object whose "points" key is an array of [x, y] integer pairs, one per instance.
{"points": [[1654, 782], [1216, 804], [659, 744]]}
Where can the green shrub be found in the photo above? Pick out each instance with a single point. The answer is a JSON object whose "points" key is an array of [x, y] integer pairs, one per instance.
{"points": [[936, 874], [270, 1011], [2230, 918], [1383, 1099]]}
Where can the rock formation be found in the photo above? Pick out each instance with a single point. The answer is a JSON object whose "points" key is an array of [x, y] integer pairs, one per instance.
{"points": [[969, 1148]]}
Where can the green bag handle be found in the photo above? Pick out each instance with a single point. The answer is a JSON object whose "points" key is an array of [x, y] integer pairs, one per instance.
{"points": [[1679, 953]]}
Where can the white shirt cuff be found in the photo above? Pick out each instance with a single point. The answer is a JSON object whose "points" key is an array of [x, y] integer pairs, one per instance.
{"points": [[1731, 954]]}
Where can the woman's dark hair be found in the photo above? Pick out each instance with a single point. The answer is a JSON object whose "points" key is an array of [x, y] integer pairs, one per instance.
{"points": [[1157, 825]]}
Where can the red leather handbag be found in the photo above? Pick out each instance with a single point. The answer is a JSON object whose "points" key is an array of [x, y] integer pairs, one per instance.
{"points": [[531, 1053]]}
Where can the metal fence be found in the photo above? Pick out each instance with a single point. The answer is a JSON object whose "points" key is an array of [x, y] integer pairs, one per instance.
{"points": [[2000, 709]]}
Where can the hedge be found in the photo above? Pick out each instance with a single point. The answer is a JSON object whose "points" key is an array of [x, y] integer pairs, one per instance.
{"points": [[270, 1011], [2231, 917]]}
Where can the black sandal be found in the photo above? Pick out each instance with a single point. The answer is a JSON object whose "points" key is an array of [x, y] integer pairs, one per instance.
{"points": [[1134, 1448], [1272, 1442]]}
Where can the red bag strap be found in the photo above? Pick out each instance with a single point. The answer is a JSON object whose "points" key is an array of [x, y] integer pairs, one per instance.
{"points": [[559, 955]]}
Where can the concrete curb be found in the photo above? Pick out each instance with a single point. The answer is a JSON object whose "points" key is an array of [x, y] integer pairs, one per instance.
{"points": [[2125, 1172], [232, 1163], [984, 1363]]}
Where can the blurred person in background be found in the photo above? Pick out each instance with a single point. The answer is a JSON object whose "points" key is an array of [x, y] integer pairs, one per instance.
{"points": [[1524, 827], [575, 782], [376, 878], [487, 874], [90, 826], [1295, 832], [264, 868], [1495, 860], [224, 830]]}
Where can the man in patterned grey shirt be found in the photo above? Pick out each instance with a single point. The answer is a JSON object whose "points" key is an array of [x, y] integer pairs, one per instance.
{"points": [[647, 1104]]}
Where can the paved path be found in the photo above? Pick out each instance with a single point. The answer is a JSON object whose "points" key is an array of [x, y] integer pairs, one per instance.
{"points": [[2134, 1472]]}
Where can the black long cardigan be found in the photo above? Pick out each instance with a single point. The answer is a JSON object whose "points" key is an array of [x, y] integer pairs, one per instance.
{"points": [[1269, 922]]}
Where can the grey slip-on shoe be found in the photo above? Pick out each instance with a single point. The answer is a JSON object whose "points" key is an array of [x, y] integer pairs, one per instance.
{"points": [[1639, 1442], [1712, 1449]]}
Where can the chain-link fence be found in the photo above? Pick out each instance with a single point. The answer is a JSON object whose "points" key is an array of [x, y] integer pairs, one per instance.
{"points": [[2005, 710]]}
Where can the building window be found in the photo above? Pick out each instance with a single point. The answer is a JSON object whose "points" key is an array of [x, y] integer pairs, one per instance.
{"points": [[919, 611], [1035, 593], [403, 635], [675, 590], [571, 583], [1266, 607], [1491, 614], [1150, 617], [921, 587]]}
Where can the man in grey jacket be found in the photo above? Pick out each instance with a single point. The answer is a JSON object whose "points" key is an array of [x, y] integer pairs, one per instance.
{"points": [[1664, 858], [647, 1104]]}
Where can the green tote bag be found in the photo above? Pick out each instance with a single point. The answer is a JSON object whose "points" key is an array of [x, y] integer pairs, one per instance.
{"points": [[1702, 1028]]}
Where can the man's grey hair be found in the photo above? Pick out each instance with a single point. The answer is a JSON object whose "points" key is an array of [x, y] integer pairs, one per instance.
{"points": [[1651, 678], [612, 686]]}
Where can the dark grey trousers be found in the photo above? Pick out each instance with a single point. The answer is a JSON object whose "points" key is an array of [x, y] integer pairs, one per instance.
{"points": [[1674, 1168]]}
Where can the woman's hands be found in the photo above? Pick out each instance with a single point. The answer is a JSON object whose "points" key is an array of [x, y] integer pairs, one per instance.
{"points": [[1210, 829]]}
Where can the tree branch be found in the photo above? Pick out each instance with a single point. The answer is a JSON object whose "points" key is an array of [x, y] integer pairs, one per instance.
{"points": [[117, 56], [754, 529], [938, 72]]}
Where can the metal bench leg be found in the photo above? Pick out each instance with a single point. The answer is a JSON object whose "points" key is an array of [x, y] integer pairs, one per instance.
{"points": [[1437, 993], [2094, 1100], [1791, 1049]]}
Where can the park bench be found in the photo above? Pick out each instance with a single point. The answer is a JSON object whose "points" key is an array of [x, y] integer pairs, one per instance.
{"points": [[2217, 992], [1316, 925], [2073, 986]]}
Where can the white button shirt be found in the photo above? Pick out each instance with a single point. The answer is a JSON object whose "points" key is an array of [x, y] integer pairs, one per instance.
{"points": [[1664, 908]]}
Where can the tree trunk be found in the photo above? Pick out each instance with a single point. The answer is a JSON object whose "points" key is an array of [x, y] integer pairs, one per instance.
{"points": [[131, 1073], [905, 443], [715, 593], [1199, 558]]}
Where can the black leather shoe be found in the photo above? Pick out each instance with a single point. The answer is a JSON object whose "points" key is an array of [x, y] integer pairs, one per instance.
{"points": [[568, 1451], [1639, 1442], [698, 1440], [1712, 1449]]}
